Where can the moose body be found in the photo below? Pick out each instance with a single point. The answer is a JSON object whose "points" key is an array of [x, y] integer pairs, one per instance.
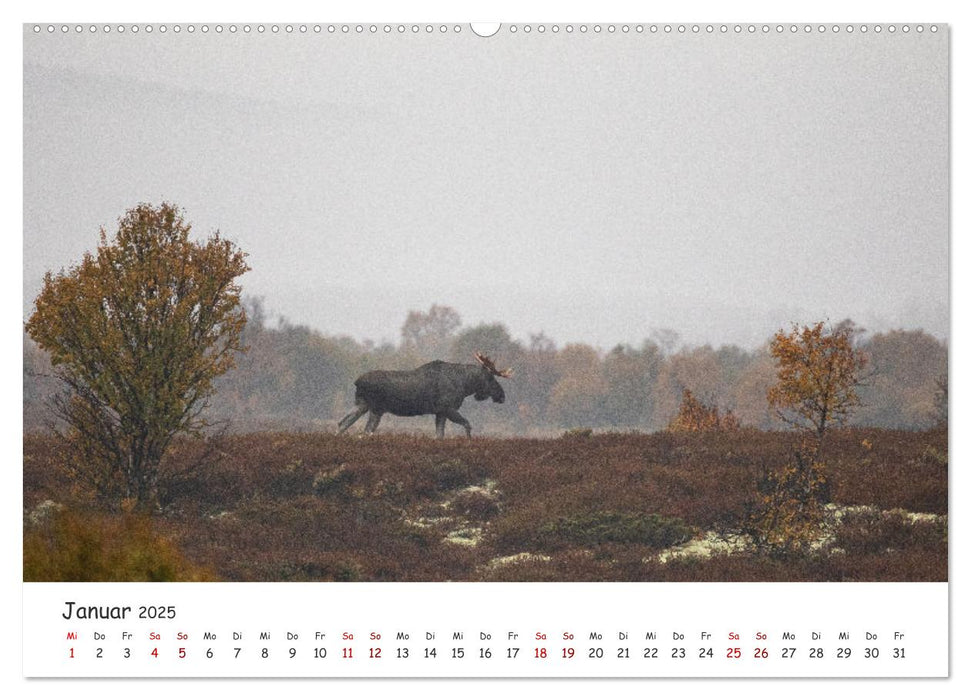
{"points": [[437, 388]]}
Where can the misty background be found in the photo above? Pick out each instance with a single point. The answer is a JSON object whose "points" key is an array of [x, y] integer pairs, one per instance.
{"points": [[604, 212], [592, 187]]}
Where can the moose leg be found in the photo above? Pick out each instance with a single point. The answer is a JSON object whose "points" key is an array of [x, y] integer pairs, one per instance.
{"points": [[351, 418], [440, 424], [372, 422], [457, 417]]}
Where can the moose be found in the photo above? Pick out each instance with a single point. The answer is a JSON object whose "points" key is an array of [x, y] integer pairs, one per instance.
{"points": [[437, 388]]}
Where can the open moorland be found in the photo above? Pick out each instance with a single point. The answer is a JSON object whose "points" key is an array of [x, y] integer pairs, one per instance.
{"points": [[582, 507]]}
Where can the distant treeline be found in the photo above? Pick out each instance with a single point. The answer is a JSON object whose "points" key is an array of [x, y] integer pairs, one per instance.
{"points": [[293, 377]]}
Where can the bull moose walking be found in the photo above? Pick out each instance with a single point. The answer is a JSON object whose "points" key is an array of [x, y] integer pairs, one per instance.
{"points": [[437, 388]]}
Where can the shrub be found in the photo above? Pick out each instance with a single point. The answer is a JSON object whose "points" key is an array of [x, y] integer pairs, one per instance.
{"points": [[695, 415], [71, 546], [332, 482], [137, 334], [578, 433], [874, 532], [788, 516], [475, 505], [934, 457], [453, 474], [348, 571], [620, 528]]}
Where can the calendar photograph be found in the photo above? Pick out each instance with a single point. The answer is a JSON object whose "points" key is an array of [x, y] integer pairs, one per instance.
{"points": [[452, 303]]}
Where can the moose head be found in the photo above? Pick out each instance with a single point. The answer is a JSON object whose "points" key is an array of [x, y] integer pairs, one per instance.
{"points": [[488, 386]]}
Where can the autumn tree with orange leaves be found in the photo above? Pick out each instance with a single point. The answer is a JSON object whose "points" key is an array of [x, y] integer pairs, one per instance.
{"points": [[137, 333], [694, 415], [818, 371]]}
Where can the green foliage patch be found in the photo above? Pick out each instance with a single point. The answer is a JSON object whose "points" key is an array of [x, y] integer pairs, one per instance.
{"points": [[602, 527]]}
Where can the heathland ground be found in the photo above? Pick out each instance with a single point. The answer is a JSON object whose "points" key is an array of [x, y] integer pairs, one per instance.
{"points": [[584, 506]]}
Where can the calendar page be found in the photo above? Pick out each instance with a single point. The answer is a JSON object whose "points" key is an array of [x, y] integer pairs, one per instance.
{"points": [[485, 350]]}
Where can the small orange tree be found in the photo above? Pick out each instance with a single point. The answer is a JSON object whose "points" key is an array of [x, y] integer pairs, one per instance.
{"points": [[788, 516], [137, 333], [818, 370], [695, 415]]}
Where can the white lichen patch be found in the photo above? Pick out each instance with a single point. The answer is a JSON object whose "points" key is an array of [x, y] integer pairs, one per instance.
{"points": [[838, 512], [714, 543], [918, 517], [835, 512], [486, 488], [706, 546], [425, 523], [461, 531], [42, 511], [467, 536], [221, 515], [520, 558], [827, 537]]}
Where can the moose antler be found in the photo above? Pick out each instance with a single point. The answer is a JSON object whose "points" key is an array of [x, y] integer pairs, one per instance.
{"points": [[491, 366]]}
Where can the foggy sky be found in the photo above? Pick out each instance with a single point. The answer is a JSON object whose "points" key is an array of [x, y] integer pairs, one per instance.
{"points": [[594, 187]]}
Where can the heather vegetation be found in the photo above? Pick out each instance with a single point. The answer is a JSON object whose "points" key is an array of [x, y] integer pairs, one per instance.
{"points": [[669, 506]]}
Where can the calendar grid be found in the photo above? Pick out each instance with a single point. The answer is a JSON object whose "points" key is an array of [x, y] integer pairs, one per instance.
{"points": [[478, 630]]}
